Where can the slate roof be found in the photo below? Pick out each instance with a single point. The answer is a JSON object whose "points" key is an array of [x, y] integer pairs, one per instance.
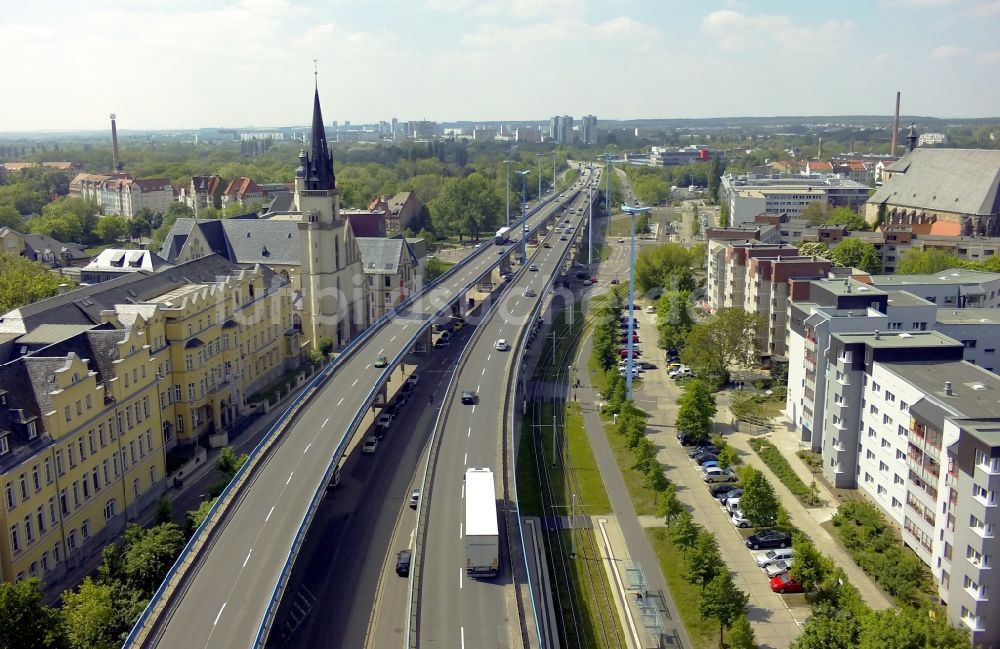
{"points": [[118, 259], [965, 181], [84, 305], [262, 241], [38, 243], [383, 256], [282, 202], [365, 223]]}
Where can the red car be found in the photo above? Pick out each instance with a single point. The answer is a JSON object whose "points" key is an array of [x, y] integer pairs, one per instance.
{"points": [[635, 338], [784, 583]]}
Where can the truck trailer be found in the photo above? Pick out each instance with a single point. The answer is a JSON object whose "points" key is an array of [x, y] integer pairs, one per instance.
{"points": [[482, 534]]}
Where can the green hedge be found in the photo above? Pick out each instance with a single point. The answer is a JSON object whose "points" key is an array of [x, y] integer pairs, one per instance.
{"points": [[773, 458]]}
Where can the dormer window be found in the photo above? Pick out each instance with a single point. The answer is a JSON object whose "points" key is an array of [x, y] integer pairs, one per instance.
{"points": [[32, 434], [4, 446]]}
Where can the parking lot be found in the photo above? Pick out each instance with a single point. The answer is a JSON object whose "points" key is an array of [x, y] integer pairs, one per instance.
{"points": [[776, 618]]}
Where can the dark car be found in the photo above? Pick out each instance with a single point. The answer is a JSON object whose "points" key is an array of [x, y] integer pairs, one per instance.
{"points": [[469, 397], [403, 563], [735, 492], [687, 439], [646, 365], [720, 490], [701, 458], [767, 539], [706, 448]]}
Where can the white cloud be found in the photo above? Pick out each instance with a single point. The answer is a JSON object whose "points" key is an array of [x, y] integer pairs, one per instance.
{"points": [[945, 52], [512, 8], [992, 56], [917, 4], [733, 30], [622, 29]]}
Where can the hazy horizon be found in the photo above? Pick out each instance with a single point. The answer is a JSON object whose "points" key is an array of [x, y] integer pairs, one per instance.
{"points": [[187, 64]]}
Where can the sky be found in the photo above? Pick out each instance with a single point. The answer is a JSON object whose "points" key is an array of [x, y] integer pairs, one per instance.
{"points": [[163, 64]]}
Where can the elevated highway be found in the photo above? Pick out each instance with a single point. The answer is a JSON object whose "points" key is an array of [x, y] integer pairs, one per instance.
{"points": [[224, 590]]}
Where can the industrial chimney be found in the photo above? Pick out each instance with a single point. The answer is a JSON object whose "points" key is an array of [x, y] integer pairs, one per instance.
{"points": [[116, 164], [895, 126]]}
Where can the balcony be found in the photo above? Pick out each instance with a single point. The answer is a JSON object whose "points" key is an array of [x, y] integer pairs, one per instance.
{"points": [[810, 344], [919, 509]]}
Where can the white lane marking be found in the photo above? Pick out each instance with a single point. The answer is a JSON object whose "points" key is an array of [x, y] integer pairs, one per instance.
{"points": [[248, 558], [290, 477], [462, 629], [474, 408], [488, 357], [356, 380], [465, 459], [478, 388], [219, 614], [381, 350], [392, 339], [341, 401], [470, 432], [460, 585], [327, 420], [306, 449], [268, 517], [484, 372]]}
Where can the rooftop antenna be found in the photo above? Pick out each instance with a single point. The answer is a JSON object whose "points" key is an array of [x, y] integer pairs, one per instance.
{"points": [[316, 73]]}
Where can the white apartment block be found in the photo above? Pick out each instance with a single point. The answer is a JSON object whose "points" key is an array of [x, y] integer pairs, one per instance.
{"points": [[952, 288], [749, 196], [930, 458]]}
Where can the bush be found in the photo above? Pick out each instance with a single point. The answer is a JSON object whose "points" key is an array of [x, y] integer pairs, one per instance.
{"points": [[773, 458], [877, 550]]}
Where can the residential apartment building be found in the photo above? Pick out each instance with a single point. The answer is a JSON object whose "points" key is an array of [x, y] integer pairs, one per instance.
{"points": [[892, 243], [128, 196], [390, 273], [979, 332], [767, 294], [244, 192], [750, 195], [204, 191], [561, 129], [952, 288], [399, 211], [930, 458], [588, 128]]}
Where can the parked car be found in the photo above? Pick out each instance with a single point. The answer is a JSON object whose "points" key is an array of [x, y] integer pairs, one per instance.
{"points": [[646, 365], [650, 309], [766, 539], [412, 379], [414, 498], [403, 563], [687, 439], [371, 443], [732, 503], [735, 492], [709, 463], [764, 559], [738, 519], [384, 419], [704, 448], [718, 474], [784, 583], [680, 372], [701, 458], [719, 490], [778, 567]]}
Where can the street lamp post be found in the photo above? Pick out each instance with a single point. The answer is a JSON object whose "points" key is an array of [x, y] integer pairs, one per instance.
{"points": [[507, 164], [524, 190], [590, 218], [630, 345], [538, 159]]}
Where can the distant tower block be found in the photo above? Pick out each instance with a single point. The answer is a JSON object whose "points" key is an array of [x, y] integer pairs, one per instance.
{"points": [[895, 126], [116, 164]]}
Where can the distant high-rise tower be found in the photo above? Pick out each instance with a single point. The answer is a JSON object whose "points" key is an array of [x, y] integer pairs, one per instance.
{"points": [[589, 128], [395, 127], [895, 126], [116, 163]]}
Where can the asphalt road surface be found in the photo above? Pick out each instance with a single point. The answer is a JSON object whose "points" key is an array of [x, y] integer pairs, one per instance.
{"points": [[457, 611], [224, 601]]}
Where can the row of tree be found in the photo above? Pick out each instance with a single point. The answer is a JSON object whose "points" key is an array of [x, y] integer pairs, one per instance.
{"points": [[101, 611]]}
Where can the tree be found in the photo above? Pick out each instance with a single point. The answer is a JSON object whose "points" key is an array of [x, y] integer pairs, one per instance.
{"points": [[141, 225], [724, 215], [89, 616], [196, 517], [728, 457], [848, 218], [810, 568], [229, 463], [111, 228], [655, 479], [703, 561], [722, 600], [148, 554], [164, 511], [758, 502], [816, 213], [908, 628], [814, 249], [684, 532], [325, 346], [435, 268], [673, 319], [696, 408], [829, 628], [665, 267], [23, 281], [855, 253], [468, 205], [645, 456], [27, 623], [729, 338], [741, 634], [670, 506], [715, 178], [926, 262], [11, 218]]}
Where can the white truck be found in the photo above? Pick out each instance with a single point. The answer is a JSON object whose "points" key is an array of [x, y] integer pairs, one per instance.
{"points": [[482, 534]]}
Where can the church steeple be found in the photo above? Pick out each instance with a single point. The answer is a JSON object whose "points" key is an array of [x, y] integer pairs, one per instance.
{"points": [[319, 167]]}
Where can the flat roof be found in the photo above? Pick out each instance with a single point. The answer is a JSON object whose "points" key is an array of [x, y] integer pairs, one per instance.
{"points": [[898, 339], [975, 392], [968, 316], [944, 278], [985, 430], [52, 333], [905, 298], [848, 286]]}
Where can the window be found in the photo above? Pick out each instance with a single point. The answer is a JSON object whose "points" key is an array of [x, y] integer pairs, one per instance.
{"points": [[110, 510], [986, 497], [900, 455], [76, 493], [987, 463], [876, 387], [66, 412], [190, 391], [905, 407], [883, 467], [969, 344], [71, 540], [15, 541], [72, 456], [180, 423], [881, 490], [11, 503], [36, 478], [896, 503], [901, 430], [135, 487], [5, 445], [870, 454], [177, 393], [28, 534], [40, 517], [895, 326], [871, 432], [886, 420], [873, 409], [897, 479], [890, 397], [79, 407], [868, 477], [48, 471], [85, 529], [24, 487]]}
